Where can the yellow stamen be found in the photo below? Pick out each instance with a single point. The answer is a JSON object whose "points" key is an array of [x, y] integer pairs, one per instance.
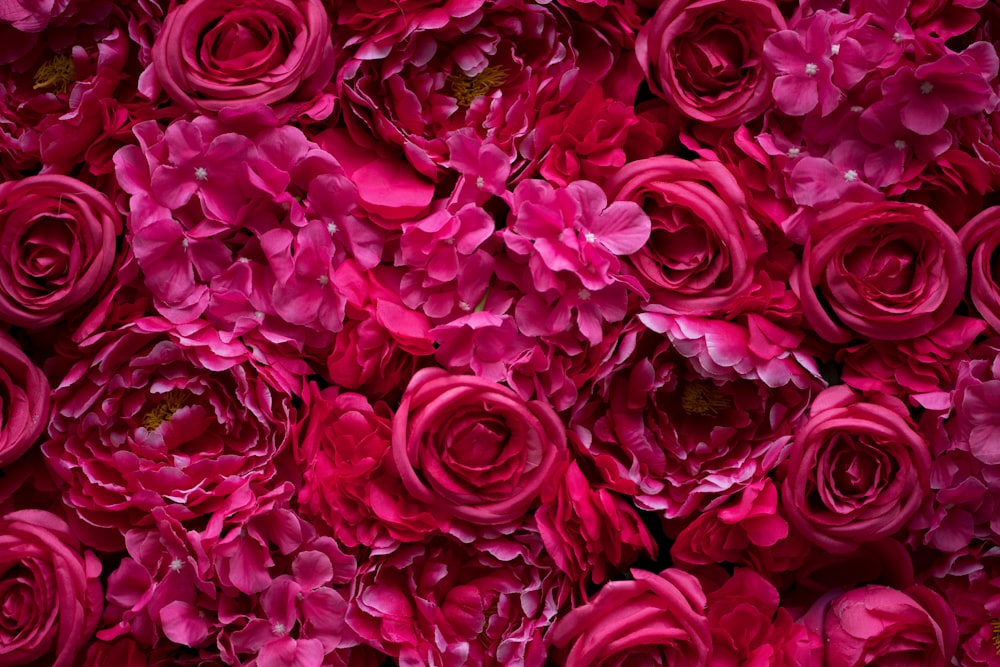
{"points": [[700, 398], [173, 401], [996, 635], [56, 73], [467, 88]]}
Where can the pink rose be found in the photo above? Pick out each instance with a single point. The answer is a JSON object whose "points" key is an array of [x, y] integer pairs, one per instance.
{"points": [[218, 54], [707, 57], [57, 246], [857, 470], [881, 625], [980, 240], [886, 270], [655, 620], [25, 409], [472, 449], [703, 245], [49, 590]]}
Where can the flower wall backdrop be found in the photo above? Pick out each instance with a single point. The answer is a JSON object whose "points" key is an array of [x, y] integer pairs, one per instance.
{"points": [[499, 332]]}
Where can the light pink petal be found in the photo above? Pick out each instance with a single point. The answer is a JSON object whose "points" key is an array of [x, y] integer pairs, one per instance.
{"points": [[183, 624]]}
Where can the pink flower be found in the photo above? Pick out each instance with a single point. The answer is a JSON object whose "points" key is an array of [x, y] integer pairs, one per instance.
{"points": [[49, 590], [444, 602], [470, 449], [704, 243], [498, 70], [750, 628], [589, 531], [350, 479], [889, 271], [658, 619], [57, 248], [26, 397], [214, 54], [677, 438], [980, 241], [706, 58], [957, 84], [814, 63], [154, 417], [857, 470], [881, 623]]}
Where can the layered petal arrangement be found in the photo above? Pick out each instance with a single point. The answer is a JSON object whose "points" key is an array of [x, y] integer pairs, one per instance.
{"points": [[514, 333]]}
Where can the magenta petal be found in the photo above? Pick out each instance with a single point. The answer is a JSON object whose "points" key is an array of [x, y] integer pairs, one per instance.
{"points": [[925, 114], [287, 652], [312, 569], [795, 95], [623, 228], [183, 624]]}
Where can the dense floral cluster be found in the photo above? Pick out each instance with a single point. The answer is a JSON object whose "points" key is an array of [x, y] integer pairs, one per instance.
{"points": [[499, 332]]}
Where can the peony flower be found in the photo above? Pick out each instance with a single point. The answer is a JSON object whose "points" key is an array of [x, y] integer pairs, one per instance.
{"points": [[857, 470], [470, 449], [706, 58], [497, 70], [889, 271], [678, 436], [658, 619], [444, 602], [57, 248], [155, 417], [216, 54], [49, 590]]}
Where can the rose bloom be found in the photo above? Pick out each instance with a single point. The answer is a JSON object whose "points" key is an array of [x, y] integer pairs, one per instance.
{"points": [[160, 417], [980, 239], [57, 247], [472, 449], [701, 251], [706, 58], [443, 602], [50, 594], [25, 408], [881, 625], [888, 271], [857, 470], [654, 619], [217, 54]]}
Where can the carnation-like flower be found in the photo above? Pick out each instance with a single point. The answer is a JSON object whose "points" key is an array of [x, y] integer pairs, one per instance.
{"points": [[155, 417], [443, 602]]}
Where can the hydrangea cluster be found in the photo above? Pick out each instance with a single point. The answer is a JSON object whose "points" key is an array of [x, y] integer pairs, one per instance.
{"points": [[499, 333]]}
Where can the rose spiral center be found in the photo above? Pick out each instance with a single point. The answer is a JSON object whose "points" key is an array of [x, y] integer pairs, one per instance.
{"points": [[56, 73], [468, 88], [172, 401]]}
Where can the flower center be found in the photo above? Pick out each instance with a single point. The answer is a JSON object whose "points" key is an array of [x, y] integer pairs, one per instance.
{"points": [[701, 398], [172, 401], [467, 88], [995, 623], [56, 73]]}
